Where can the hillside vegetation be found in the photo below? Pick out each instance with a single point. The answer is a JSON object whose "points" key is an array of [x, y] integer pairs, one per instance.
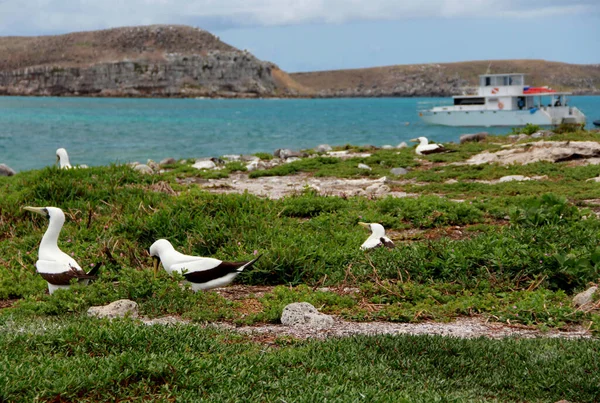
{"points": [[445, 79]]}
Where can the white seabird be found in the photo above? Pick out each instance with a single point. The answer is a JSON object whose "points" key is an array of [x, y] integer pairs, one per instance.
{"points": [[63, 159], [424, 148], [54, 265], [377, 237], [203, 273]]}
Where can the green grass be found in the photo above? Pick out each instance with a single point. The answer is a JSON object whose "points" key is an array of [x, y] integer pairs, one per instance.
{"points": [[89, 361]]}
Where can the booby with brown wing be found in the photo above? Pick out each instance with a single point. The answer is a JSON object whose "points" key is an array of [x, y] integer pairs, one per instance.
{"points": [[203, 273], [54, 265], [424, 148], [377, 237]]}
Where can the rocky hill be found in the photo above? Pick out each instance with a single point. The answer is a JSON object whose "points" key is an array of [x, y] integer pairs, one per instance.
{"points": [[446, 79], [157, 60], [182, 61]]}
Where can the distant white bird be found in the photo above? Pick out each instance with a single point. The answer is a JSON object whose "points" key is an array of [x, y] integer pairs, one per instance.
{"points": [[424, 148], [377, 237], [63, 158], [55, 266], [203, 273]]}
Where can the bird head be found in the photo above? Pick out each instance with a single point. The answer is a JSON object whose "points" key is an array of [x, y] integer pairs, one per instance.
{"points": [[63, 158], [422, 140], [52, 213], [156, 249]]}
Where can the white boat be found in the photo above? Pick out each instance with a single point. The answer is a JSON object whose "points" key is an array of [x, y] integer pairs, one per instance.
{"points": [[504, 100]]}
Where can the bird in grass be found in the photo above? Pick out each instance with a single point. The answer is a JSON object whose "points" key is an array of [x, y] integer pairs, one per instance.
{"points": [[54, 265], [203, 273], [424, 148], [377, 237], [63, 159]]}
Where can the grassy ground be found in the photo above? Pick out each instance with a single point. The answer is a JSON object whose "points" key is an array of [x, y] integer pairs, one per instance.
{"points": [[513, 252]]}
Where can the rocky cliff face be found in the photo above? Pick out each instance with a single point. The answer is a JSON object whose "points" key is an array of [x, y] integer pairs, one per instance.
{"points": [[216, 73]]}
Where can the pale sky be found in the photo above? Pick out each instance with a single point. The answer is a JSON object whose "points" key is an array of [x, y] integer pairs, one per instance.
{"points": [[305, 35]]}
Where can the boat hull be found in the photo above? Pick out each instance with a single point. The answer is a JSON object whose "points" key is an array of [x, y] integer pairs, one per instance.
{"points": [[512, 118]]}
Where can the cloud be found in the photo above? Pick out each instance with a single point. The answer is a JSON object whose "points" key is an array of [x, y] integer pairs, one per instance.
{"points": [[51, 16]]}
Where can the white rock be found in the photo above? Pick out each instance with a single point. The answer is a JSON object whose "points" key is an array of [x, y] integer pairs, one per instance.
{"points": [[518, 178], [584, 298], [232, 157], [364, 166], [323, 148], [117, 309], [292, 159], [402, 145], [398, 171], [204, 164], [306, 315], [143, 168], [378, 189], [387, 147], [5, 170]]}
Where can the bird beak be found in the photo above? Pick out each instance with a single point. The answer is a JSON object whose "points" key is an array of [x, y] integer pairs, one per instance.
{"points": [[414, 140], [57, 160], [39, 210], [155, 263], [364, 224]]}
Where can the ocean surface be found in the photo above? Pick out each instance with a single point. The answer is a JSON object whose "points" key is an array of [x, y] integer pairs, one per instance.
{"points": [[100, 131]]}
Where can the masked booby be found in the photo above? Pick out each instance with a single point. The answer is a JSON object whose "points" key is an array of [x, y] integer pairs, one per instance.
{"points": [[63, 159], [424, 148], [54, 265], [377, 237], [203, 273]]}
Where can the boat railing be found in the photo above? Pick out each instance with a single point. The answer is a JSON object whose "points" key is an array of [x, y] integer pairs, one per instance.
{"points": [[428, 105]]}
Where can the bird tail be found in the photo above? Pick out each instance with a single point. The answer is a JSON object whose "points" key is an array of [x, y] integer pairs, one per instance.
{"points": [[94, 269], [248, 265]]}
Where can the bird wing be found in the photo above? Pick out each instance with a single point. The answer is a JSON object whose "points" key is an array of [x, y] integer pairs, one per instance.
{"points": [[432, 149], [370, 243], [387, 242], [57, 273], [203, 270]]}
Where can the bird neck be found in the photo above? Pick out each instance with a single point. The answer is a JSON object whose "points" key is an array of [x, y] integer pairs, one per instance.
{"points": [[423, 142], [49, 242]]}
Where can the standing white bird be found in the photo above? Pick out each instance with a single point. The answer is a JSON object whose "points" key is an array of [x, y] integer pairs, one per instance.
{"points": [[424, 148], [63, 159], [203, 273], [54, 265], [377, 237]]}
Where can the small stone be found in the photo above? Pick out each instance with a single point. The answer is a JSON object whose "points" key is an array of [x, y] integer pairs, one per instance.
{"points": [[517, 178], [153, 165], [323, 148], [584, 298], [204, 164], [249, 158], [465, 138], [232, 157], [451, 182], [306, 315], [402, 145], [118, 309], [143, 168], [398, 171], [5, 170], [167, 161], [387, 147], [377, 189], [364, 166]]}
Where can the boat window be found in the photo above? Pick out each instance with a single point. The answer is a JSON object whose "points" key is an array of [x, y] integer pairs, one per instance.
{"points": [[469, 101], [488, 81], [517, 80]]}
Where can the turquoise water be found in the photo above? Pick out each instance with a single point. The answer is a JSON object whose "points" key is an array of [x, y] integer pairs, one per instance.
{"points": [[100, 131]]}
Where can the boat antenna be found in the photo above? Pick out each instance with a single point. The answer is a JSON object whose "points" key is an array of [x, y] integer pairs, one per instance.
{"points": [[489, 68]]}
